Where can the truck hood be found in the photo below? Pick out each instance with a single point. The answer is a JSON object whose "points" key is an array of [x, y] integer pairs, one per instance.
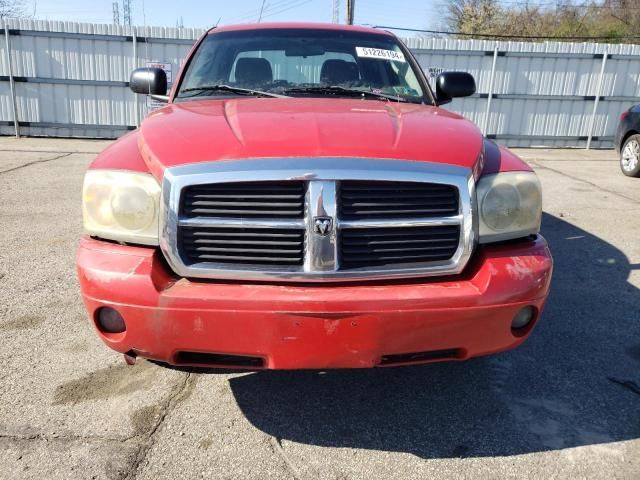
{"points": [[216, 129]]}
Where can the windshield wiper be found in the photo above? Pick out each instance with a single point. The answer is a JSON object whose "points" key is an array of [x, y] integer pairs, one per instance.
{"points": [[227, 88], [351, 92]]}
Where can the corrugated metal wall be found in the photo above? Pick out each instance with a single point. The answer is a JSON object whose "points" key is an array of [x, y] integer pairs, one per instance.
{"points": [[70, 79], [530, 94]]}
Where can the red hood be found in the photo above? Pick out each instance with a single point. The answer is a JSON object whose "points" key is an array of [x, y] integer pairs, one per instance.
{"points": [[202, 131]]}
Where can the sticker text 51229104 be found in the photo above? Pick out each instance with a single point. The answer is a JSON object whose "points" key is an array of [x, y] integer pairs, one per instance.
{"points": [[380, 54]]}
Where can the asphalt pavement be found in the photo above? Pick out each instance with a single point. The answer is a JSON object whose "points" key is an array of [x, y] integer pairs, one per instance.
{"points": [[564, 405]]}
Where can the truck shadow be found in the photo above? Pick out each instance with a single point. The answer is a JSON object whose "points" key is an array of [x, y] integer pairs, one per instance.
{"points": [[556, 391]]}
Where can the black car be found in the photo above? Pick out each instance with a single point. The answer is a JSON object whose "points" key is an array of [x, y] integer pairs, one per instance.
{"points": [[627, 141]]}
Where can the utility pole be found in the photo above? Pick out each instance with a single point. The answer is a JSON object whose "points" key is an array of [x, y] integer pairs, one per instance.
{"points": [[126, 12], [336, 11], [116, 13], [261, 11], [351, 6]]}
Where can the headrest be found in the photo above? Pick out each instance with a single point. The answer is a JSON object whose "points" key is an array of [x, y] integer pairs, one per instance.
{"points": [[339, 71], [253, 71]]}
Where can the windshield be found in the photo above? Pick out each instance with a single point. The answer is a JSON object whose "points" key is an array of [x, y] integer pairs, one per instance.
{"points": [[301, 62]]}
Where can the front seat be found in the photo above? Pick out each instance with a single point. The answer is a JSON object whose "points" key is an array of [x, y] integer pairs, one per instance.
{"points": [[339, 71], [253, 71]]}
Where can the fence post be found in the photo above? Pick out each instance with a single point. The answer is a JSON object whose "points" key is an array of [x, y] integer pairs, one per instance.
{"points": [[485, 124], [12, 87], [595, 103], [135, 65]]}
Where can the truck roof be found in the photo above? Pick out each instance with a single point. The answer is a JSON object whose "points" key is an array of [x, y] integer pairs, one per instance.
{"points": [[310, 26]]}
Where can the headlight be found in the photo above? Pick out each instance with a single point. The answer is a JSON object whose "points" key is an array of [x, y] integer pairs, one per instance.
{"points": [[121, 205], [510, 206]]}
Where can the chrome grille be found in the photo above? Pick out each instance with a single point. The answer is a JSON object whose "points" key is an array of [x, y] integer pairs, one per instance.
{"points": [[397, 246], [244, 200], [317, 219], [396, 200], [252, 246]]}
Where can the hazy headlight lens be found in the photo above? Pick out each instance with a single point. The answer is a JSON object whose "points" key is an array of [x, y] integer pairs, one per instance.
{"points": [[133, 208], [500, 206], [94, 204], [510, 206], [121, 205]]}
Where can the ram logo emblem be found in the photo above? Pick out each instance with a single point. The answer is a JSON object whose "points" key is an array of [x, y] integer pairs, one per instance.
{"points": [[322, 225]]}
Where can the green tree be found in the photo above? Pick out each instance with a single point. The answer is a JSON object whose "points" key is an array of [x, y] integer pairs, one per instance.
{"points": [[612, 20], [472, 16]]}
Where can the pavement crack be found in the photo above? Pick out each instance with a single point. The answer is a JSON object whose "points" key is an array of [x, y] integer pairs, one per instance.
{"points": [[633, 386], [44, 160], [276, 445], [181, 392], [577, 179], [61, 438], [21, 150]]}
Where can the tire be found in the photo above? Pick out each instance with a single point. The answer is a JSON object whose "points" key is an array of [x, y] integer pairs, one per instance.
{"points": [[630, 156]]}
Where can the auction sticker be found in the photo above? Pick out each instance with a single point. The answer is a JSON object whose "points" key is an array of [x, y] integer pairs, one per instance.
{"points": [[166, 66], [380, 54]]}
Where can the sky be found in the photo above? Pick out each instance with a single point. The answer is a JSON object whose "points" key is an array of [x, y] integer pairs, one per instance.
{"points": [[203, 13]]}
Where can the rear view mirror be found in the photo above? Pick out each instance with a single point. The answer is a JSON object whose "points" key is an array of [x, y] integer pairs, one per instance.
{"points": [[304, 49], [149, 81], [454, 84]]}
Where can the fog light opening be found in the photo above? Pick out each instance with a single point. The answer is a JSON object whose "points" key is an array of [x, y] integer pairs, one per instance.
{"points": [[523, 320], [109, 320]]}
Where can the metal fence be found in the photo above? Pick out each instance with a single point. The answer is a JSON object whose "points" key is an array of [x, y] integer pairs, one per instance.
{"points": [[548, 94], [71, 79]]}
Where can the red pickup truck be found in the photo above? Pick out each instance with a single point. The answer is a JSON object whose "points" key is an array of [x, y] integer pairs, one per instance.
{"points": [[302, 201]]}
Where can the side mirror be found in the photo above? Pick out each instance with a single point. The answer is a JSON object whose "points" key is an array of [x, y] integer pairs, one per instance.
{"points": [[149, 81], [454, 84]]}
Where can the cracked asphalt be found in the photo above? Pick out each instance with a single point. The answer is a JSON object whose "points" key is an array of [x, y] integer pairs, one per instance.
{"points": [[564, 405]]}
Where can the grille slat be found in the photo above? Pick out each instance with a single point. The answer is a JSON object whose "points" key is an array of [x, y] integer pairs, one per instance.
{"points": [[241, 213], [366, 200], [354, 251], [408, 203], [399, 213], [242, 242], [245, 200], [399, 259], [368, 242], [248, 259], [245, 234], [398, 195], [382, 186], [207, 203], [402, 233], [251, 187], [269, 251], [231, 196]]}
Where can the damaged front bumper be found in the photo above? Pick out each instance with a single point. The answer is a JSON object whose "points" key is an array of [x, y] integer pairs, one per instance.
{"points": [[226, 324]]}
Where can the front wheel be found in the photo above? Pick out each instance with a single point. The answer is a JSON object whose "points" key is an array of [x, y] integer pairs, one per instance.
{"points": [[630, 156]]}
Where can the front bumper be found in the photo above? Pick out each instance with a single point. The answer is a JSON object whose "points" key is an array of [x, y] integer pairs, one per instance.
{"points": [[176, 320]]}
